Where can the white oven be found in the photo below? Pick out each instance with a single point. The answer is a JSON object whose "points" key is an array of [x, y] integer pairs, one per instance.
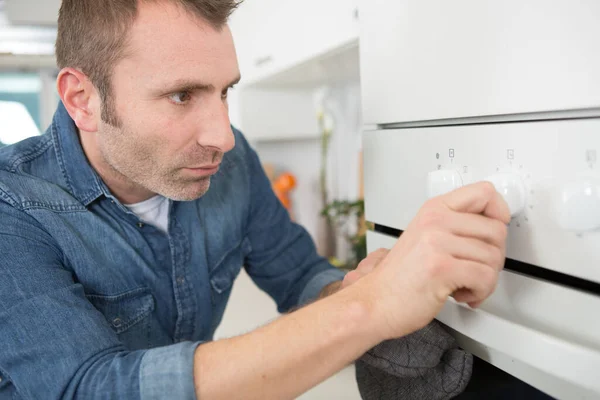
{"points": [[457, 91]]}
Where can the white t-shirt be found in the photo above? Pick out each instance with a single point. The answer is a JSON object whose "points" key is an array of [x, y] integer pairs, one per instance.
{"points": [[154, 211]]}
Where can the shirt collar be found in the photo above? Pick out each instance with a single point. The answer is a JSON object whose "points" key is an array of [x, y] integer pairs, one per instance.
{"points": [[82, 180]]}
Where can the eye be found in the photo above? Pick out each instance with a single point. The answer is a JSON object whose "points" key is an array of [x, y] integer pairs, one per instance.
{"points": [[226, 92], [180, 98]]}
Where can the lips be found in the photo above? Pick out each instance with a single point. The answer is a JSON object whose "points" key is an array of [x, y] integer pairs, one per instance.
{"points": [[204, 171], [212, 166]]}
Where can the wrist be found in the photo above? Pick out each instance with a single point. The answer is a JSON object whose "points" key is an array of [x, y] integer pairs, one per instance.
{"points": [[361, 306]]}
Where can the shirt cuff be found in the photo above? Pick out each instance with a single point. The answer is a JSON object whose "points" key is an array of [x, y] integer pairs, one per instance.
{"points": [[168, 372], [318, 282]]}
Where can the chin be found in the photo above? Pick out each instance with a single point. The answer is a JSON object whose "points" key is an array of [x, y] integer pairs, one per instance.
{"points": [[190, 192]]}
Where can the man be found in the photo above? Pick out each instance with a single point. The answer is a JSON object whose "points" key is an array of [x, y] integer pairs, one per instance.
{"points": [[117, 260]]}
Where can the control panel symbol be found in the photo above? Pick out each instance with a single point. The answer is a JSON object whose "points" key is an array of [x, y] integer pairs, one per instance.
{"points": [[451, 153], [510, 154]]}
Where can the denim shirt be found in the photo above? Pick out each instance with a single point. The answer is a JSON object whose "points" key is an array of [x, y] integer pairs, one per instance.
{"points": [[96, 304]]}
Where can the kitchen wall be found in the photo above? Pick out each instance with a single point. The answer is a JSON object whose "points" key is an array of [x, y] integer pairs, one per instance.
{"points": [[302, 157]]}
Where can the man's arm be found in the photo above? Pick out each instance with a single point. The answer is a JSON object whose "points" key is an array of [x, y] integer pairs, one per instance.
{"points": [[298, 346], [454, 246], [289, 356]]}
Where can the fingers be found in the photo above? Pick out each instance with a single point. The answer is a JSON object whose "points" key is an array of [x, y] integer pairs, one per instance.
{"points": [[466, 296], [470, 249], [478, 198], [479, 227], [476, 226], [351, 277], [366, 266], [463, 296], [473, 282], [372, 260]]}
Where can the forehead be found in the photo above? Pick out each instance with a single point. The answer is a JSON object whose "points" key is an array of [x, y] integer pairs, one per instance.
{"points": [[166, 41]]}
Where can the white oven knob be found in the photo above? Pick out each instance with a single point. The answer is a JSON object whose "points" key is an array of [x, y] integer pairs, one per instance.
{"points": [[443, 181], [578, 207], [512, 189]]}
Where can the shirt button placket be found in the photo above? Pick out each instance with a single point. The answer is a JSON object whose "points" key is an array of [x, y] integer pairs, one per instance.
{"points": [[183, 290]]}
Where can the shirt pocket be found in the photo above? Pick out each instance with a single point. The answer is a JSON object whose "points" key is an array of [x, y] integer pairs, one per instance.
{"points": [[227, 268], [128, 314]]}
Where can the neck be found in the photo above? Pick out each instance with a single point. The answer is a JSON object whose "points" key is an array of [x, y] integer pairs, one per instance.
{"points": [[126, 191]]}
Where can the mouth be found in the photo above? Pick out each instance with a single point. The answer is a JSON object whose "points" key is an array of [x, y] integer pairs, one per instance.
{"points": [[204, 171]]}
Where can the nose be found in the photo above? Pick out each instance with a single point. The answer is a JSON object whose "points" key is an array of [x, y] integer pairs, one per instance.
{"points": [[216, 132]]}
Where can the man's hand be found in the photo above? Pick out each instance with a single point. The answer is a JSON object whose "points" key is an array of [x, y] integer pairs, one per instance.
{"points": [[365, 267], [454, 246]]}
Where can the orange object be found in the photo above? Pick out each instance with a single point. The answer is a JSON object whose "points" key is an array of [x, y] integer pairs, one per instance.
{"points": [[284, 199], [285, 182], [282, 186]]}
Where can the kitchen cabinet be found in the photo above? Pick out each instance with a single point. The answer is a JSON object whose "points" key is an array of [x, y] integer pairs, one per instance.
{"points": [[276, 36], [439, 59]]}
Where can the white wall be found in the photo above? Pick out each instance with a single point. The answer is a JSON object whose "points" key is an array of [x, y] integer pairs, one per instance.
{"points": [[302, 159]]}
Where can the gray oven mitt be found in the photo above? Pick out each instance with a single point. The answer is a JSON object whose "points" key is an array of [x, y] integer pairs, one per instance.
{"points": [[425, 365]]}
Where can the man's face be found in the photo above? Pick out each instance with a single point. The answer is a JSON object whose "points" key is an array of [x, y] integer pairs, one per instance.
{"points": [[170, 96]]}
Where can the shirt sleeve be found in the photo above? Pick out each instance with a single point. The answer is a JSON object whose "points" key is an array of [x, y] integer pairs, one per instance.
{"points": [[55, 344], [283, 260]]}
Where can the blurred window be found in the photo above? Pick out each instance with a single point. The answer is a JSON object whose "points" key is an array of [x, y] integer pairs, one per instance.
{"points": [[20, 108]]}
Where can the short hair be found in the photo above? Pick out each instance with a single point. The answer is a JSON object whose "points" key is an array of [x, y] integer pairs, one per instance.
{"points": [[92, 36]]}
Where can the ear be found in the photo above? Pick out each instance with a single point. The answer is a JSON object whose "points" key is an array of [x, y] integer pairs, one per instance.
{"points": [[80, 98]]}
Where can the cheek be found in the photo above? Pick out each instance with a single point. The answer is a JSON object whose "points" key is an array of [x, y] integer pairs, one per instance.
{"points": [[178, 128], [171, 128], [165, 136]]}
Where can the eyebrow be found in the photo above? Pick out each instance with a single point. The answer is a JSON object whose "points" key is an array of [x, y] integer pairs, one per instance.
{"points": [[184, 85]]}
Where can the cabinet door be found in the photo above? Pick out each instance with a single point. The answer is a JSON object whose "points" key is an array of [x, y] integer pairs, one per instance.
{"points": [[253, 25], [272, 36], [314, 27], [435, 59]]}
